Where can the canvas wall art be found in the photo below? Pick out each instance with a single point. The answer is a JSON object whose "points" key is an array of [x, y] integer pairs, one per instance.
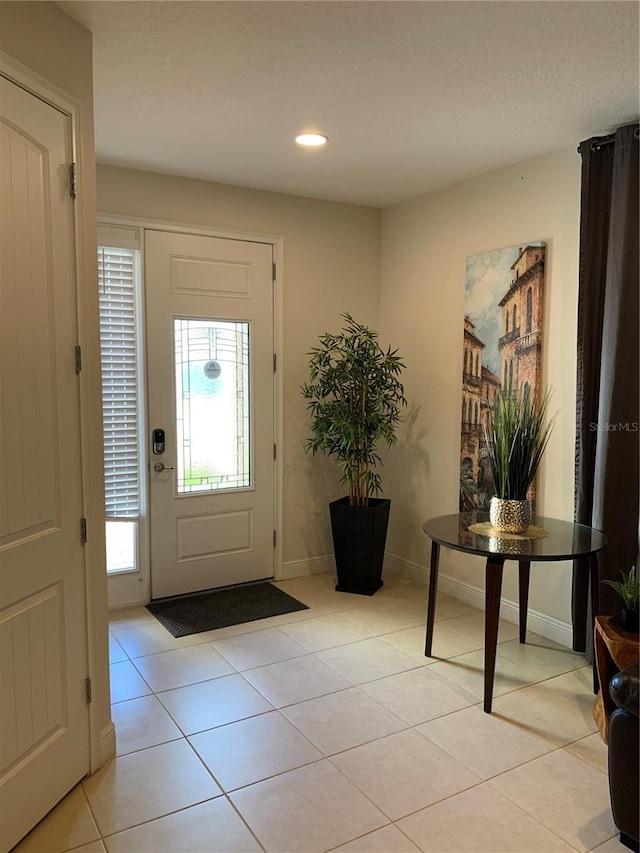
{"points": [[502, 347]]}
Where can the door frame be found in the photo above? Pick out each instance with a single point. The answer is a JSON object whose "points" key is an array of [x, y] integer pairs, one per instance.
{"points": [[102, 742], [132, 590]]}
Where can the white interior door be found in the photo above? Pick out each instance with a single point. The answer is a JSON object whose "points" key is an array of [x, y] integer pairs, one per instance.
{"points": [[44, 721], [209, 316]]}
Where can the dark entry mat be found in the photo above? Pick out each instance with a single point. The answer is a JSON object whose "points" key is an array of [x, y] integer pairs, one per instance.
{"points": [[205, 611]]}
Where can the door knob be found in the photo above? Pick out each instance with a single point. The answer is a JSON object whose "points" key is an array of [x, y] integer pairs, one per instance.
{"points": [[159, 467]]}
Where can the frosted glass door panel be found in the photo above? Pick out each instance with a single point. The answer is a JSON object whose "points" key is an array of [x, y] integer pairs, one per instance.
{"points": [[212, 405]]}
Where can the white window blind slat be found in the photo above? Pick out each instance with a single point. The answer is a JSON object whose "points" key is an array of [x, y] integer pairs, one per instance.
{"points": [[118, 348]]}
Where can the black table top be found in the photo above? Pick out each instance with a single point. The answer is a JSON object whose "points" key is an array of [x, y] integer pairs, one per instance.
{"points": [[566, 540]]}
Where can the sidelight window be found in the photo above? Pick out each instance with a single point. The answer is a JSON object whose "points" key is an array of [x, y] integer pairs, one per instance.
{"points": [[117, 275]]}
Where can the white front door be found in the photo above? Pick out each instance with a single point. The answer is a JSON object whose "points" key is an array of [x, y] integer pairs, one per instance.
{"points": [[209, 316], [44, 720]]}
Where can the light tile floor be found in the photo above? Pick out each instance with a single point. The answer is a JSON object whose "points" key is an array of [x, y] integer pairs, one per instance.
{"points": [[328, 729]]}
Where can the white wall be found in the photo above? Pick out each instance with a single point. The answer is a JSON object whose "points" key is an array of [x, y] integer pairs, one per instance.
{"points": [[331, 265], [424, 244], [48, 42]]}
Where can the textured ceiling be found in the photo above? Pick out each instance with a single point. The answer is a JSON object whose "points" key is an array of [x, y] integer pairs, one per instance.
{"points": [[414, 96]]}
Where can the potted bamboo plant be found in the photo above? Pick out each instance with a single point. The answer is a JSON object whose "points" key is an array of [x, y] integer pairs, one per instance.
{"points": [[516, 435], [355, 399]]}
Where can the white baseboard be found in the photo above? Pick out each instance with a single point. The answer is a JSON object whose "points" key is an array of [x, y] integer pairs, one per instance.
{"points": [[310, 566], [107, 745], [540, 623], [547, 626]]}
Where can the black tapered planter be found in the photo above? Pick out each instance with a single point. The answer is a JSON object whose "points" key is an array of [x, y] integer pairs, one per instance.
{"points": [[630, 620], [359, 536]]}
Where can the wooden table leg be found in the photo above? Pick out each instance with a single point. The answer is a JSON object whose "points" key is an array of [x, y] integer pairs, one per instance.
{"points": [[493, 587], [595, 608], [523, 583], [433, 589]]}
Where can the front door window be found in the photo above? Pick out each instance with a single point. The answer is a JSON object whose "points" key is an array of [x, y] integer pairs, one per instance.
{"points": [[212, 405]]}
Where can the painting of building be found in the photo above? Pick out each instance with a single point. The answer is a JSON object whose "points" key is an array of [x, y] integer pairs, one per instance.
{"points": [[502, 346]]}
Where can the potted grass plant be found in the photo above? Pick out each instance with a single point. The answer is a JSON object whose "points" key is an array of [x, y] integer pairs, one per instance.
{"points": [[355, 398], [629, 591], [516, 435]]}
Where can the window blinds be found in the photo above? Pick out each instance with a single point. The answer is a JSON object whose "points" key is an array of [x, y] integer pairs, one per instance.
{"points": [[118, 350]]}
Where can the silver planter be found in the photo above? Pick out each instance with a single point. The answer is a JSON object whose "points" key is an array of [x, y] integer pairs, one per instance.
{"points": [[510, 516]]}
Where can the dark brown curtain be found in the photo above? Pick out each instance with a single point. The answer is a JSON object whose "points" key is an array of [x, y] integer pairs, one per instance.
{"points": [[607, 417]]}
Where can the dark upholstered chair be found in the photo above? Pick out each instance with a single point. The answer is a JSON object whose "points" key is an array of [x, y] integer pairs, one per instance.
{"points": [[623, 755]]}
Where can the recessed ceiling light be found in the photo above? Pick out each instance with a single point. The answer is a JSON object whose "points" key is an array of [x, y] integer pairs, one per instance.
{"points": [[312, 140]]}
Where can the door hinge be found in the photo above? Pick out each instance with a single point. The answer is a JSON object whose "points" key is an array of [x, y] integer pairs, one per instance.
{"points": [[78, 356], [275, 362], [275, 452], [73, 180], [88, 691], [273, 271], [275, 538], [83, 531]]}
